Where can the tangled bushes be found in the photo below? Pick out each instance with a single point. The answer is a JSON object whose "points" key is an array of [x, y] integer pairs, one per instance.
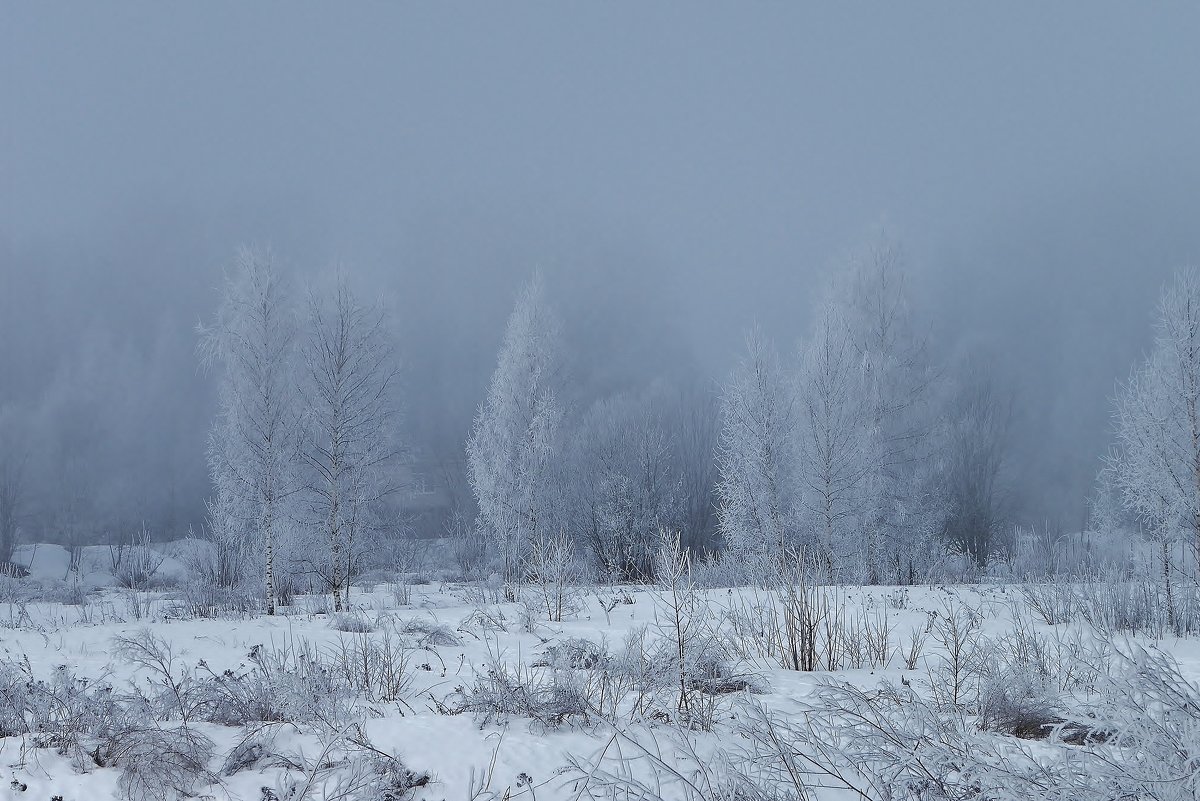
{"points": [[549, 697], [1137, 738], [157, 763], [149, 730], [1113, 724], [578, 682], [96, 726]]}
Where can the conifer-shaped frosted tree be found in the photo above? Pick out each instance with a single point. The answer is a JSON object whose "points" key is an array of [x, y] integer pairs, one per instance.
{"points": [[513, 453], [255, 442]]}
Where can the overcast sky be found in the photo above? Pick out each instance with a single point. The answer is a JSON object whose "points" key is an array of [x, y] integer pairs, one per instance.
{"points": [[703, 163]]}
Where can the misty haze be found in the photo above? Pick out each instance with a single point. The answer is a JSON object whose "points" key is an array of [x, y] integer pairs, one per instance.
{"points": [[599, 401]]}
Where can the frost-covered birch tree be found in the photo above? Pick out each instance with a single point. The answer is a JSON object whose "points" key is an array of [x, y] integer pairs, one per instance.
{"points": [[873, 298], [836, 453], [757, 457], [254, 447], [1157, 464], [349, 377], [514, 449]]}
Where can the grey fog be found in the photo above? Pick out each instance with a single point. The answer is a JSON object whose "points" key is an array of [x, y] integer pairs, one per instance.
{"points": [[540, 307]]}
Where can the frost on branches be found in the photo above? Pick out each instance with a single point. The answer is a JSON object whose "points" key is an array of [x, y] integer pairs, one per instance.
{"points": [[1157, 462], [255, 440], [513, 450]]}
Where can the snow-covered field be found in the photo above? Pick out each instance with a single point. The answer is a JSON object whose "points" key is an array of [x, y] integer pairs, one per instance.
{"points": [[447, 678]]}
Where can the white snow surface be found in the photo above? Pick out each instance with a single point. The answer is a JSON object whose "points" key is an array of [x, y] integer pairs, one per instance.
{"points": [[448, 747]]}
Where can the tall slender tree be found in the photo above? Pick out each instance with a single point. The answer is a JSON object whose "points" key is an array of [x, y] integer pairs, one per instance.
{"points": [[350, 374], [1157, 463], [255, 443], [514, 447], [757, 456], [873, 297], [837, 457]]}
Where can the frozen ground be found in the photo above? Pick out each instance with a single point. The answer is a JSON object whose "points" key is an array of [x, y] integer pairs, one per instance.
{"points": [[443, 646]]}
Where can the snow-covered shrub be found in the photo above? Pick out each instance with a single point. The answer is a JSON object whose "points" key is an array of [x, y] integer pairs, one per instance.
{"points": [[910, 651], [639, 670], [643, 679], [347, 768], [388, 778], [578, 679], [66, 711], [1138, 738], [148, 734], [216, 583], [956, 568], [799, 626], [290, 683], [1141, 606], [317, 605], [1055, 601], [136, 564], [489, 591], [1136, 735], [16, 595], [248, 753], [482, 621], [373, 667], [307, 687], [1046, 554], [15, 681], [683, 620], [555, 574], [1018, 700], [96, 726], [727, 569], [171, 690], [552, 698], [428, 633], [849, 638], [355, 622], [1148, 721], [468, 548], [286, 588], [882, 744], [237, 698], [157, 764], [1124, 606], [781, 625], [401, 590], [710, 670], [957, 629], [576, 653], [201, 598], [1116, 602], [406, 555]]}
